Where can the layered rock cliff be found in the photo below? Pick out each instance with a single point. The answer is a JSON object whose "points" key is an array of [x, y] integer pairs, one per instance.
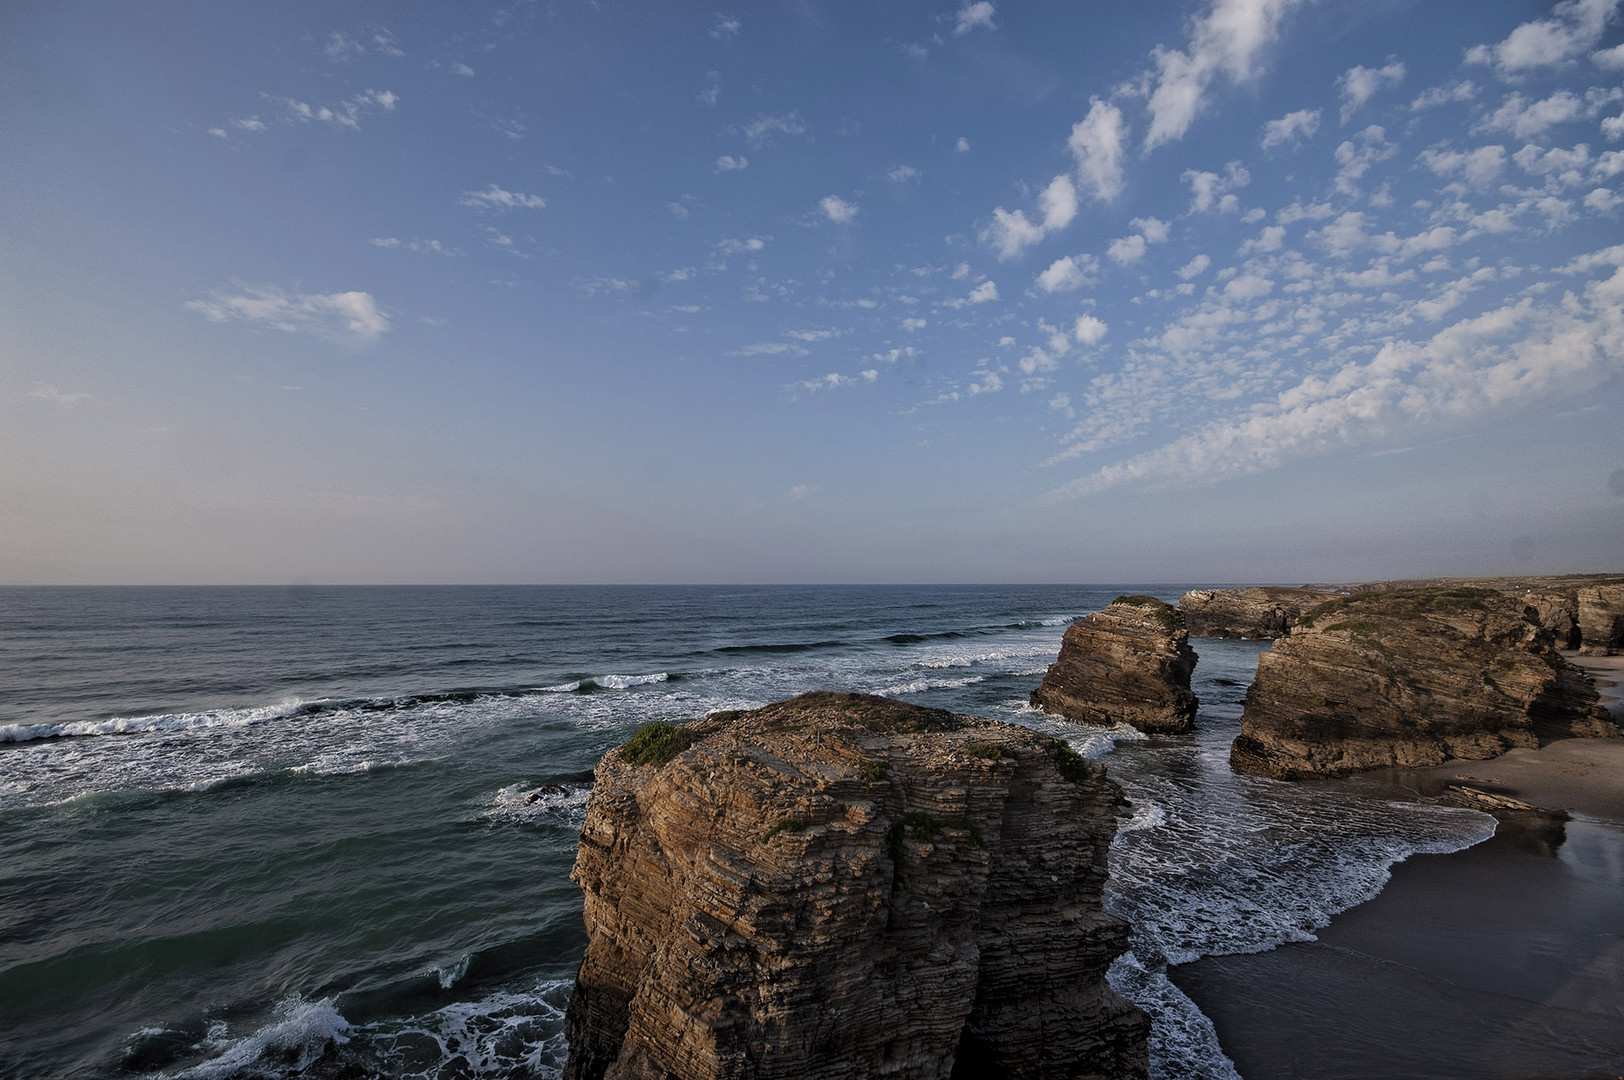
{"points": [[1128, 664], [1253, 612], [1410, 677], [1601, 619], [846, 886]]}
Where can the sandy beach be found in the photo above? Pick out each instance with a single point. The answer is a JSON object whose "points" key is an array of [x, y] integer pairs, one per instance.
{"points": [[1504, 960]]}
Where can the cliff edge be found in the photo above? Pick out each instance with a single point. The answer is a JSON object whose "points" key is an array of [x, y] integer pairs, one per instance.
{"points": [[846, 886], [1265, 611], [1410, 677], [1127, 664]]}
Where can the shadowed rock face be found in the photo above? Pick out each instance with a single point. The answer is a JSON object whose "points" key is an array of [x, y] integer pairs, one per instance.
{"points": [[1260, 612], [1128, 664], [847, 886], [1601, 619], [1410, 677]]}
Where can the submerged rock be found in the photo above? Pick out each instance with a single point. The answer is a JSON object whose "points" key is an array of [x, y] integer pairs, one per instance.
{"points": [[1410, 677], [1128, 664], [1601, 619], [848, 886], [1253, 612]]}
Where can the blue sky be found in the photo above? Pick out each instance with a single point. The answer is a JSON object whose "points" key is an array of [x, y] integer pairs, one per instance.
{"points": [[1269, 290]]}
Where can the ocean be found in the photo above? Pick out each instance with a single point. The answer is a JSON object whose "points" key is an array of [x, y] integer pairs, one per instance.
{"points": [[327, 832]]}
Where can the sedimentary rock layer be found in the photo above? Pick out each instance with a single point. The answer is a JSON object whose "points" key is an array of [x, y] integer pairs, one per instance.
{"points": [[1253, 612], [1128, 664], [842, 886], [1601, 619], [1410, 677]]}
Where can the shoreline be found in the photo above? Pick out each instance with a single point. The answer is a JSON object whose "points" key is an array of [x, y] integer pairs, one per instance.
{"points": [[1505, 959]]}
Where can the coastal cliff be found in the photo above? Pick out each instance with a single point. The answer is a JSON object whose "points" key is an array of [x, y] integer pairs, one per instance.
{"points": [[1410, 677], [1601, 619], [848, 886], [1127, 664], [1252, 612]]}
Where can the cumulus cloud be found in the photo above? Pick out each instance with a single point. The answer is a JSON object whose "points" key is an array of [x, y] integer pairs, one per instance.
{"points": [[770, 348], [1058, 202], [729, 163], [973, 15], [1209, 191], [346, 318], [912, 324], [347, 114], [962, 146], [1433, 97], [1089, 330], [838, 210], [1479, 167], [1195, 267], [1096, 144], [1522, 355], [1291, 128], [497, 198], [1070, 273], [1576, 28], [1010, 233], [761, 130], [1229, 40], [1355, 156], [1127, 250], [1359, 84], [725, 28], [747, 246], [903, 174]]}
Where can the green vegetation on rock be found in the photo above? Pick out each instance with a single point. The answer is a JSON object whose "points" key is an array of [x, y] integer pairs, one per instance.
{"points": [[656, 744]]}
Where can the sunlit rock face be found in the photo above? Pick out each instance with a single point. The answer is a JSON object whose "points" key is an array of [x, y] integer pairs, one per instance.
{"points": [[1254, 612], [849, 886], [1410, 677], [1601, 620], [1128, 664]]}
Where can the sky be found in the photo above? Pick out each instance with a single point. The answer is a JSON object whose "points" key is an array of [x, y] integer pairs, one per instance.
{"points": [[1205, 290]]}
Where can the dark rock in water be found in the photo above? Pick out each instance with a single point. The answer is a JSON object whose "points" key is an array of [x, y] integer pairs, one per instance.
{"points": [[1128, 664], [1410, 677], [1255, 612], [1601, 620], [848, 886], [1530, 828]]}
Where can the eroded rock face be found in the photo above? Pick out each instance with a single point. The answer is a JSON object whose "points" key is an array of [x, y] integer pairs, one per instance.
{"points": [[1557, 612], [846, 886], [1128, 664], [1257, 612], [1601, 619], [1410, 677]]}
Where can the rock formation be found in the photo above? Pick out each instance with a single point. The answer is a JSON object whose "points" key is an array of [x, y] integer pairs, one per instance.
{"points": [[1128, 664], [848, 886], [1257, 612], [1601, 619], [1410, 677]]}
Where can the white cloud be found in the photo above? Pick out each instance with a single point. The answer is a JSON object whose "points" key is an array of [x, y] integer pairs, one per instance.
{"points": [[1359, 84], [347, 114], [713, 88], [1526, 119], [1154, 229], [770, 348], [747, 246], [1070, 273], [986, 382], [1096, 145], [973, 15], [903, 174], [800, 491], [1010, 232], [347, 318], [1127, 250], [760, 131], [496, 198], [1270, 239], [1195, 267], [982, 293], [1469, 375], [1228, 39], [911, 324], [838, 210], [46, 392], [462, 70], [1058, 202], [423, 247], [219, 133], [725, 28], [1292, 128], [1479, 167], [1609, 59], [1577, 27], [1431, 98], [729, 163], [1089, 330], [962, 146], [340, 45], [1208, 190], [1357, 155]]}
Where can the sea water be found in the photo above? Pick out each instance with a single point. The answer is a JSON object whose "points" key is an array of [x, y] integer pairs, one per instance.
{"points": [[266, 832]]}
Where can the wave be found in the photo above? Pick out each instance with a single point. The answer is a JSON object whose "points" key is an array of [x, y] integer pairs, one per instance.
{"points": [[919, 686], [301, 1032], [503, 1034], [160, 722], [782, 647], [525, 805]]}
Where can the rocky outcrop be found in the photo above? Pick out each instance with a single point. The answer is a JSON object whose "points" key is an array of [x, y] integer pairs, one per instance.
{"points": [[1408, 678], [1254, 612], [1601, 619], [1128, 664], [848, 886], [1557, 612]]}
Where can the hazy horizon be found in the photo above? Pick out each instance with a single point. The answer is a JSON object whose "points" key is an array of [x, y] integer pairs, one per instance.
{"points": [[1239, 291]]}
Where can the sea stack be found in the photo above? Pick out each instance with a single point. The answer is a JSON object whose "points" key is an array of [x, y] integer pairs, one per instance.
{"points": [[1128, 664], [1410, 677], [1601, 619], [848, 886], [1253, 612]]}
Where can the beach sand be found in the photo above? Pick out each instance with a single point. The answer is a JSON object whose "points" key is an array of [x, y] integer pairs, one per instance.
{"points": [[1504, 960]]}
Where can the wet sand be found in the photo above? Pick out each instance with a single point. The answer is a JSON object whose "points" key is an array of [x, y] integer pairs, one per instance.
{"points": [[1504, 960]]}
